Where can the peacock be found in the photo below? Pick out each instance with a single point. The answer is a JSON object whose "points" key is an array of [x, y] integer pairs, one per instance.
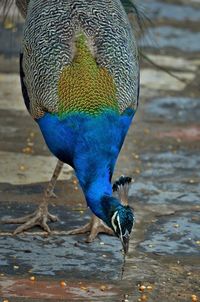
{"points": [[79, 72]]}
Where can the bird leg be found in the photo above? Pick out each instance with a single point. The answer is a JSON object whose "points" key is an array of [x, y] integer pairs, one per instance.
{"points": [[94, 227], [41, 215]]}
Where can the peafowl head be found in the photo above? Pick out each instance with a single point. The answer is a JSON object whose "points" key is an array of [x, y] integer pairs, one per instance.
{"points": [[120, 218], [113, 210], [122, 222]]}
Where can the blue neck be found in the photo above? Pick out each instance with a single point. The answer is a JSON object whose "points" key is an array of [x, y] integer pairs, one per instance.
{"points": [[97, 189], [91, 146], [95, 192]]}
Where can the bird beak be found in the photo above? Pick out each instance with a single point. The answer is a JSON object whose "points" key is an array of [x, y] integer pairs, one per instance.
{"points": [[125, 243]]}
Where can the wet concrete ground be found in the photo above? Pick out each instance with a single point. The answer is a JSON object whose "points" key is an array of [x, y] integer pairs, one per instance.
{"points": [[161, 152]]}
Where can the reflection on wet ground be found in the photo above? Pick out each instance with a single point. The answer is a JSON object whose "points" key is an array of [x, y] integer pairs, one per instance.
{"points": [[161, 153], [174, 235], [58, 255], [166, 192]]}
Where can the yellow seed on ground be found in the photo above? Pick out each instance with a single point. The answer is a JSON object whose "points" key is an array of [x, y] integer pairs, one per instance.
{"points": [[22, 168], [136, 156], [149, 287], [142, 288], [198, 242], [189, 273], [84, 288], [144, 298], [102, 288], [63, 283], [8, 24], [15, 266], [32, 278], [194, 298], [27, 150], [6, 300]]}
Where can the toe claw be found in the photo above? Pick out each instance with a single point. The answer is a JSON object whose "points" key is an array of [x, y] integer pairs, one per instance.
{"points": [[53, 218], [95, 226], [86, 228], [45, 226], [89, 239]]}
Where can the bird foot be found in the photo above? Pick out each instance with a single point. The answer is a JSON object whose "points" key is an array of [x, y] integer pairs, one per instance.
{"points": [[94, 227], [39, 218]]}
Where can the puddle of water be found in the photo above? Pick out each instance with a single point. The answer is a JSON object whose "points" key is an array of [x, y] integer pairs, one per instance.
{"points": [[169, 36], [176, 235], [177, 109]]}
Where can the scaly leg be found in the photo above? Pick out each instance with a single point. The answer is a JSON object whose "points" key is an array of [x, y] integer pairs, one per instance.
{"points": [[94, 227], [41, 215]]}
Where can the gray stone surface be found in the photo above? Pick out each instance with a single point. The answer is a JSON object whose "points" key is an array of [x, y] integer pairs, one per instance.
{"points": [[172, 11], [169, 36], [175, 109]]}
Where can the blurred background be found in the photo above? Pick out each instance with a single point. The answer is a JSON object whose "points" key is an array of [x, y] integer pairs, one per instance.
{"points": [[161, 153]]}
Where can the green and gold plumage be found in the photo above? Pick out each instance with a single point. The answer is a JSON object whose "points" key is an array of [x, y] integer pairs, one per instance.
{"points": [[76, 48], [84, 86]]}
